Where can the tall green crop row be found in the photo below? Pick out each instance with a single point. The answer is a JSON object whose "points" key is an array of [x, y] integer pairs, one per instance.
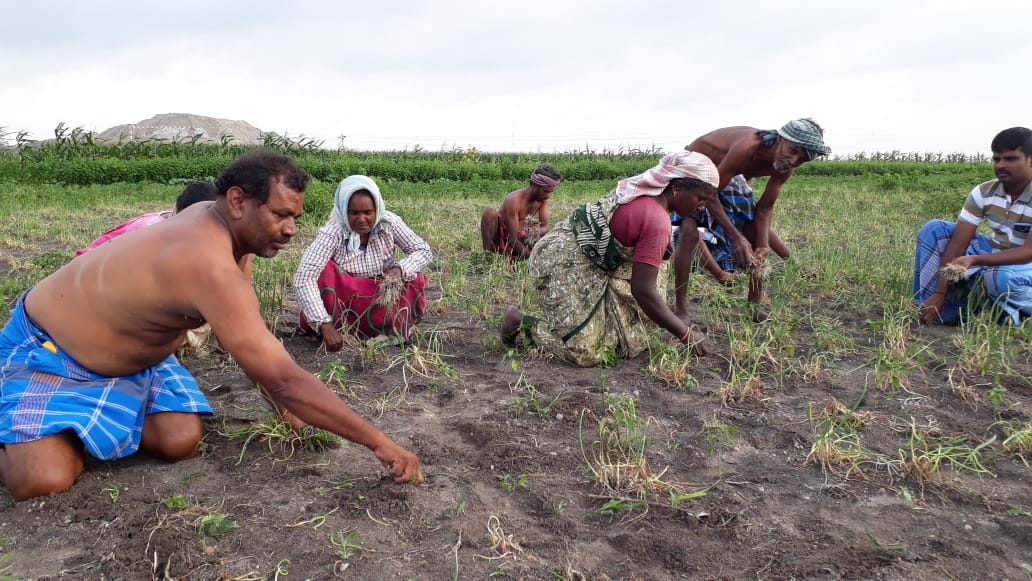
{"points": [[75, 157], [82, 171]]}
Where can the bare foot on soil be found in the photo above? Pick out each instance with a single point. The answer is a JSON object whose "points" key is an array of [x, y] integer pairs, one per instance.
{"points": [[511, 325]]}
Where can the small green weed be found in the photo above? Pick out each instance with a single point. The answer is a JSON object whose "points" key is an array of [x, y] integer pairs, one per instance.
{"points": [[454, 512], [176, 501], [215, 525], [613, 506], [719, 436], [607, 356], [997, 397], [511, 483], [114, 490], [345, 544]]}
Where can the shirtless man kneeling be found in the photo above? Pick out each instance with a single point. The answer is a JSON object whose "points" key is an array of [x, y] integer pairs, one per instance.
{"points": [[87, 356], [505, 230]]}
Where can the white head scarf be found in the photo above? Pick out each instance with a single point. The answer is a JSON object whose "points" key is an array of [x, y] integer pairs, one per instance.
{"points": [[342, 198], [682, 164]]}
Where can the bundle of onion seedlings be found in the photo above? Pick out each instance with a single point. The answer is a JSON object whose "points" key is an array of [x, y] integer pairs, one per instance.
{"points": [[390, 289], [759, 271], [953, 273]]}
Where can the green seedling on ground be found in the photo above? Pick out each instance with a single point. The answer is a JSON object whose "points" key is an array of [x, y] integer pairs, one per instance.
{"points": [[215, 525], [997, 397], [176, 501], [670, 363], [836, 441], [278, 434], [618, 461], [114, 490], [511, 483], [1018, 438], [933, 457], [613, 506], [5, 558], [454, 512], [346, 544], [334, 375], [719, 436]]}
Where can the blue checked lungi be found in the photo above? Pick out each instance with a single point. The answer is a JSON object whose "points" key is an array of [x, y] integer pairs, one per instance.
{"points": [[43, 393], [740, 207], [1008, 288]]}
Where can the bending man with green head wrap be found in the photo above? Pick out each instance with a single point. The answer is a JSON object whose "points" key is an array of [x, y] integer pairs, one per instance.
{"points": [[742, 224]]}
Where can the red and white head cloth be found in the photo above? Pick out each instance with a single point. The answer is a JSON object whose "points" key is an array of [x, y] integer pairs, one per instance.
{"points": [[683, 164], [544, 181]]}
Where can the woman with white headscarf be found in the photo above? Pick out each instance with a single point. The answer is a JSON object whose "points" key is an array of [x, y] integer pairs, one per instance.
{"points": [[597, 273], [344, 275]]}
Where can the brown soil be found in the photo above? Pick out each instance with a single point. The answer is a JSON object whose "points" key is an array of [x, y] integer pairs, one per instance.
{"points": [[766, 513]]}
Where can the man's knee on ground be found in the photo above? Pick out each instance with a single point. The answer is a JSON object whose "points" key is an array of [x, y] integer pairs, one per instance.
{"points": [[489, 228], [179, 447], [43, 480], [175, 440]]}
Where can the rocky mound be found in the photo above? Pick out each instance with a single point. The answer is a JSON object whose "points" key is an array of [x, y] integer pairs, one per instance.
{"points": [[183, 126]]}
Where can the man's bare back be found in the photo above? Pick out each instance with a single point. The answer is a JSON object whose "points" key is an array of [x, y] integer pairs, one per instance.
{"points": [[744, 144]]}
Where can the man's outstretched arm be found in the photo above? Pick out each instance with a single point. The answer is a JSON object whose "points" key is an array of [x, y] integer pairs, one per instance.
{"points": [[229, 304]]}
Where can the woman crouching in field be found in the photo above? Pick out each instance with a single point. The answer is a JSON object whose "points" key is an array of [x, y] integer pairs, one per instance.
{"points": [[597, 273], [348, 278]]}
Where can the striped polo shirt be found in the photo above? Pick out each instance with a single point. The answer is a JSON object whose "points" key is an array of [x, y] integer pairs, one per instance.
{"points": [[1009, 221]]}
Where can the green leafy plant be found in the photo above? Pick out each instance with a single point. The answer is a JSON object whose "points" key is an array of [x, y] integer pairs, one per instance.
{"points": [[997, 397], [346, 545], [215, 525], [932, 456], [613, 506], [454, 512], [511, 483], [176, 501], [114, 490]]}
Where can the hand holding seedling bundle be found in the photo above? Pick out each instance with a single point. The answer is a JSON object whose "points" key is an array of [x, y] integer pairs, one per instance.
{"points": [[390, 289], [954, 272]]}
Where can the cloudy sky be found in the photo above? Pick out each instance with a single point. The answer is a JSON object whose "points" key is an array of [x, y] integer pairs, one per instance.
{"points": [[528, 75]]}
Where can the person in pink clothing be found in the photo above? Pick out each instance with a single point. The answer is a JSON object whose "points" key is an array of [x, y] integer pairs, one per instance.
{"points": [[344, 276], [195, 192]]}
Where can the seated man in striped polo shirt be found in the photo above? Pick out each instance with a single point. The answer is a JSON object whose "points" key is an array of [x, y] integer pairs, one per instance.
{"points": [[998, 268]]}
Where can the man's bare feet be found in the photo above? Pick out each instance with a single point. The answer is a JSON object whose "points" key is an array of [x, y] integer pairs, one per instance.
{"points": [[511, 325]]}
